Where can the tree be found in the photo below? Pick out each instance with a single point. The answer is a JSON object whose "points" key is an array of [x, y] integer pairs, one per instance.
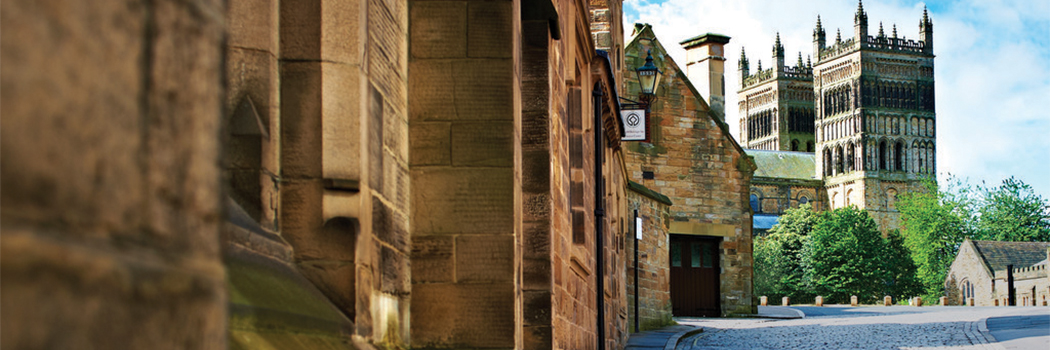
{"points": [[934, 222], [843, 256], [778, 255], [936, 219], [1013, 212], [901, 280]]}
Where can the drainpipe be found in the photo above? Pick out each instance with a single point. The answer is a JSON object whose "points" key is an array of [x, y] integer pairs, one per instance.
{"points": [[599, 212], [1011, 293]]}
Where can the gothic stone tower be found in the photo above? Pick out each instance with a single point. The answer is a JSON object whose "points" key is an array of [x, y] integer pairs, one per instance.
{"points": [[776, 105], [875, 116]]}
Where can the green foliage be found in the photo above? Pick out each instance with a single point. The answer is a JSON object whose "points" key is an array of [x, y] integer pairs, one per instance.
{"points": [[844, 256], [778, 255], [936, 220], [902, 280], [1013, 212]]}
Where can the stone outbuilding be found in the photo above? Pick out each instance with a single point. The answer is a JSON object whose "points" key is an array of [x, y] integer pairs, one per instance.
{"points": [[980, 272], [692, 159]]}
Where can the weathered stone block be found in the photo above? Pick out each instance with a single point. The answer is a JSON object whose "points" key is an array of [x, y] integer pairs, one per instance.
{"points": [[431, 143], [536, 274], [453, 90], [340, 122], [340, 37], [252, 24], [394, 271], [490, 28], [536, 306], [482, 144], [300, 29], [432, 260], [439, 29], [485, 258], [463, 315], [301, 122], [462, 200]]}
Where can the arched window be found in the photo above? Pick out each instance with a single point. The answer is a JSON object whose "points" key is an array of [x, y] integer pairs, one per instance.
{"points": [[754, 204], [803, 200], [850, 165], [882, 155], [809, 146], [899, 156], [794, 145], [838, 160]]}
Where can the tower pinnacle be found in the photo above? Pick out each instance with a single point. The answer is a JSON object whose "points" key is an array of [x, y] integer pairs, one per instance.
{"points": [[860, 17]]}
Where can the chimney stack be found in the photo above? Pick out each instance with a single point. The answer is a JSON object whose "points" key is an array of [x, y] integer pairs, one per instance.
{"points": [[705, 67]]}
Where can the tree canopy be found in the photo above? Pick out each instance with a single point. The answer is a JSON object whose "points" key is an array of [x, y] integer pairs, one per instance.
{"points": [[936, 219]]}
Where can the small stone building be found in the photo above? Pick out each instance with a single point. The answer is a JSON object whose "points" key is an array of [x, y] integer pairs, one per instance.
{"points": [[692, 159], [979, 272]]}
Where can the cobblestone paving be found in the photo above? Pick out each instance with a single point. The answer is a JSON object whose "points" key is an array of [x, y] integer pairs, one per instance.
{"points": [[898, 327]]}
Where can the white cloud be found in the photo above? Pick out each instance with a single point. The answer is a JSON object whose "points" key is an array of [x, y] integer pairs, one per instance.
{"points": [[991, 70]]}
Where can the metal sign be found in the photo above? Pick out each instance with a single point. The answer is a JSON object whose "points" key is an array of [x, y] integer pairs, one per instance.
{"points": [[638, 228], [634, 124]]}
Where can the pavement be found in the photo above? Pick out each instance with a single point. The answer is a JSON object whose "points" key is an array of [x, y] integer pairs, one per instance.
{"points": [[1020, 332], [661, 339], [874, 327], [667, 338]]}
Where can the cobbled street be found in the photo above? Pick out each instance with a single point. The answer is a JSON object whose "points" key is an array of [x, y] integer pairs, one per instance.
{"points": [[897, 327]]}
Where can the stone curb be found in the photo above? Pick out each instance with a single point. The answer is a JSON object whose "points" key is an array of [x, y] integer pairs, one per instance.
{"points": [[673, 341], [982, 327]]}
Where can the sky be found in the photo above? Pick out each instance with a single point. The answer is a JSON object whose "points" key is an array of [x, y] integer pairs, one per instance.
{"points": [[992, 66]]}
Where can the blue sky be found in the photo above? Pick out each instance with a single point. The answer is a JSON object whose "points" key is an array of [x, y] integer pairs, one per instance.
{"points": [[992, 68]]}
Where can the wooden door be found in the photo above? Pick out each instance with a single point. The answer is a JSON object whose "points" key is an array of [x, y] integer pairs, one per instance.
{"points": [[694, 276]]}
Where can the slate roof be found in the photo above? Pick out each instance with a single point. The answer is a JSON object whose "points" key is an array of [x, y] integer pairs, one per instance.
{"points": [[1020, 254], [784, 164], [764, 221]]}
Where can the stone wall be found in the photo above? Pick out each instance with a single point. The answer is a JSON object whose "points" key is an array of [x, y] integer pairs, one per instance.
{"points": [[462, 112], [1031, 286], [110, 168], [317, 147], [696, 163], [775, 197], [653, 283]]}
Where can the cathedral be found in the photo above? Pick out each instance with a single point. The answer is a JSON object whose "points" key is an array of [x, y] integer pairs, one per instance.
{"points": [[857, 118]]}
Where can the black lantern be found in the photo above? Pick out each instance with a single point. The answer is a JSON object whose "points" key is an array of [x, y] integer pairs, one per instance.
{"points": [[648, 78]]}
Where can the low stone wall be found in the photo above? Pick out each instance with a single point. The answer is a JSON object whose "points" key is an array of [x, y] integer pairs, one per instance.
{"points": [[653, 283]]}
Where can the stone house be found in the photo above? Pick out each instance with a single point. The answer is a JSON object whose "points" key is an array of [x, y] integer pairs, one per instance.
{"points": [[980, 272], [315, 173], [692, 159]]}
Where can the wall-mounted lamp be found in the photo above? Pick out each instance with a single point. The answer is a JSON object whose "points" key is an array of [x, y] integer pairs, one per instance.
{"points": [[648, 78]]}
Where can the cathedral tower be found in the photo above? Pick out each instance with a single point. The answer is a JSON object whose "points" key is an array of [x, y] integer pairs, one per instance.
{"points": [[776, 105], [874, 117]]}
